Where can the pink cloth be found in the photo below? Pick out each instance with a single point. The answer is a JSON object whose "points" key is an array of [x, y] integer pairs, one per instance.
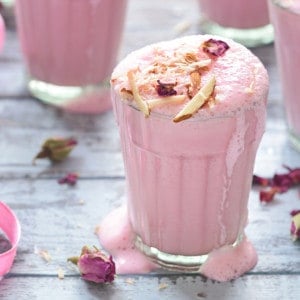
{"points": [[10, 225]]}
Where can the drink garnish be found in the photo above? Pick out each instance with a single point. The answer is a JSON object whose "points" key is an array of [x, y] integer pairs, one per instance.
{"points": [[197, 101], [214, 47], [142, 105], [165, 89], [178, 99]]}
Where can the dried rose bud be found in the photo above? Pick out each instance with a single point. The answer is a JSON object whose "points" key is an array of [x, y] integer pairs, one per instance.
{"points": [[56, 149], [70, 179], [215, 47], [94, 265], [165, 89], [295, 227]]}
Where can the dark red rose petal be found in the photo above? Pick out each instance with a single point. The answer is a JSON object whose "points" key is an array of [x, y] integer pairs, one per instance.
{"points": [[279, 183], [215, 47], [70, 179], [165, 89], [295, 212], [267, 195], [262, 181]]}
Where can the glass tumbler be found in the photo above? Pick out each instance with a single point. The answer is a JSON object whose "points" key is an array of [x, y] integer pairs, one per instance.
{"points": [[188, 182], [70, 48], [285, 16], [247, 22]]}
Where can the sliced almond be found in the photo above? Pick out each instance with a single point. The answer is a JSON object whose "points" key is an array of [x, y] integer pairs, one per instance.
{"points": [[195, 80], [60, 273], [191, 67], [142, 105], [197, 101], [165, 100], [211, 102], [126, 94], [248, 90], [202, 63], [190, 57]]}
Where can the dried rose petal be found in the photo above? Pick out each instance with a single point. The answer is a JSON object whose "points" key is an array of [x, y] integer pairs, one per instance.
{"points": [[282, 180], [56, 149], [267, 195], [295, 212], [262, 181], [215, 47], [94, 265], [165, 89], [279, 183], [295, 227], [70, 179], [294, 174]]}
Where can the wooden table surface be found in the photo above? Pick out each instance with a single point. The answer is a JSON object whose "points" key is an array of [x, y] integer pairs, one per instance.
{"points": [[61, 219]]}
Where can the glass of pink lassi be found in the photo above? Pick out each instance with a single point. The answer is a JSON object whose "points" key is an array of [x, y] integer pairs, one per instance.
{"points": [[191, 114], [70, 48], [246, 22], [285, 16]]}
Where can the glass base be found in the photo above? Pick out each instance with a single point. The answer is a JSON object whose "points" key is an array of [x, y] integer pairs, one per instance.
{"points": [[81, 99], [174, 262], [8, 3], [248, 37], [294, 139]]}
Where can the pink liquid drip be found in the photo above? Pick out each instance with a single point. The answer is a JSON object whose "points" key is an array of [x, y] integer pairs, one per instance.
{"points": [[117, 237], [229, 262], [236, 13]]}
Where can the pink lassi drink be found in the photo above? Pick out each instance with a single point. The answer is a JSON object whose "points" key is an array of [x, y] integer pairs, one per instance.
{"points": [[191, 114], [245, 21], [285, 16], [70, 48]]}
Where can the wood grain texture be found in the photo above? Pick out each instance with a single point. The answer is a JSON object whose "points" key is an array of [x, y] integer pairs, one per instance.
{"points": [[61, 219]]}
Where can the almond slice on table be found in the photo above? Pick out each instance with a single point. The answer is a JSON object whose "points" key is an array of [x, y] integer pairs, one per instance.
{"points": [[197, 101], [165, 100], [142, 105]]}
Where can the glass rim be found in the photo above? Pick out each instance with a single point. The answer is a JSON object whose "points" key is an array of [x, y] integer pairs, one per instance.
{"points": [[228, 115], [280, 5]]}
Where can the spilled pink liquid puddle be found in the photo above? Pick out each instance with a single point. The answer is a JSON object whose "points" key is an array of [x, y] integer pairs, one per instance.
{"points": [[117, 237]]}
